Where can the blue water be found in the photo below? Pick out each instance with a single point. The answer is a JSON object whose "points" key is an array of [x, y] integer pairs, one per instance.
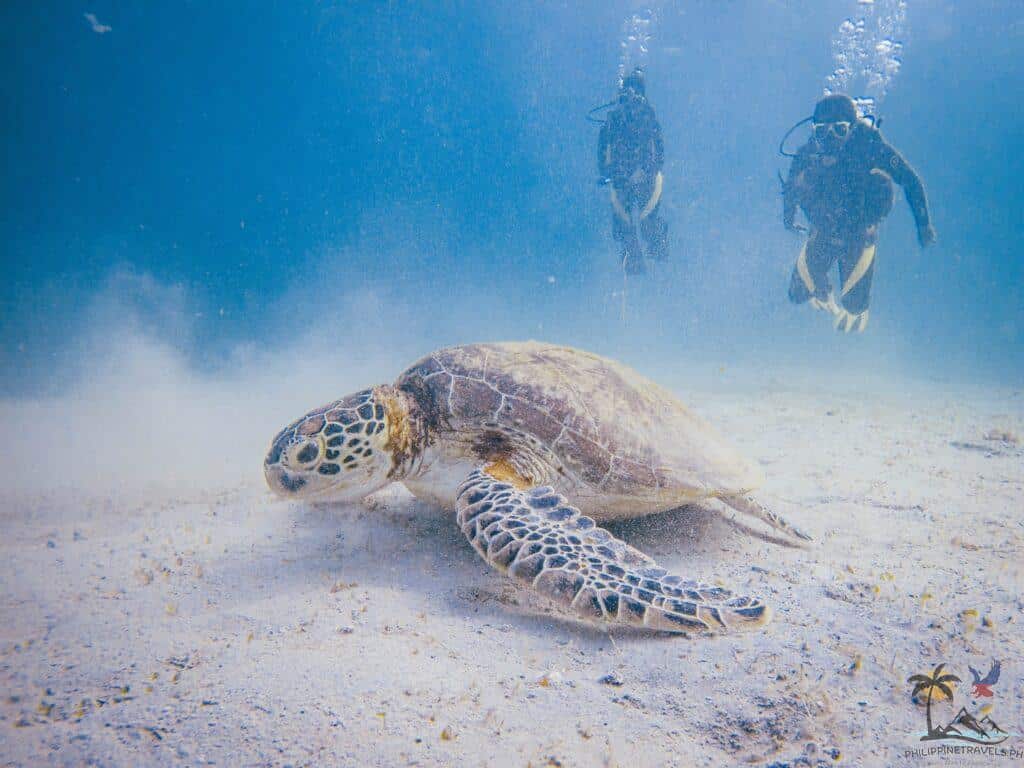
{"points": [[399, 176]]}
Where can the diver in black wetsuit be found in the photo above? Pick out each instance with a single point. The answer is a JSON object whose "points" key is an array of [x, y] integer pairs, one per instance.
{"points": [[842, 180], [630, 157]]}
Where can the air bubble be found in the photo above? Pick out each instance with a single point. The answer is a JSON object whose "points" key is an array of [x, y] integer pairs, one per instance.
{"points": [[866, 52], [636, 37]]}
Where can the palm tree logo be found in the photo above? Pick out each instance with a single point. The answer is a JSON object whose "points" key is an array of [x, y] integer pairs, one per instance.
{"points": [[930, 683]]}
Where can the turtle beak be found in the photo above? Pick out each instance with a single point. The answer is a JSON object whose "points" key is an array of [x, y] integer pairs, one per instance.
{"points": [[281, 482]]}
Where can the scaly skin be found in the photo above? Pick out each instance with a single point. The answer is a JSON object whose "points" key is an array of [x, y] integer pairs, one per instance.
{"points": [[508, 434], [540, 540]]}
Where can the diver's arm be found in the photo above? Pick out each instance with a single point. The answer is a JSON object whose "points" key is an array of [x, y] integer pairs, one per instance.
{"points": [[789, 200], [890, 161], [602, 153], [788, 208]]}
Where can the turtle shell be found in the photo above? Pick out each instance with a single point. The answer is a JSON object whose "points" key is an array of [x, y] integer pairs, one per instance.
{"points": [[613, 429]]}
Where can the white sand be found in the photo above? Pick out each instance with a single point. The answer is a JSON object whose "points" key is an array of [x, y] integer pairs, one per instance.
{"points": [[220, 626]]}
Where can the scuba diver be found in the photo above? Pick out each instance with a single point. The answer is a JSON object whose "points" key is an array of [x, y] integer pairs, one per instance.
{"points": [[630, 157], [842, 179]]}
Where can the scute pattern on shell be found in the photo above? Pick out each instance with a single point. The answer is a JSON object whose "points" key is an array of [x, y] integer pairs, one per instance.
{"points": [[612, 428]]}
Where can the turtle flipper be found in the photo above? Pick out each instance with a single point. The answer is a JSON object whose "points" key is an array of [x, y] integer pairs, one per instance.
{"points": [[537, 537], [781, 531]]}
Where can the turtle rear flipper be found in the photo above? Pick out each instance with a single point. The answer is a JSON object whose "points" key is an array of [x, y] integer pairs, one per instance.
{"points": [[537, 537], [779, 530]]}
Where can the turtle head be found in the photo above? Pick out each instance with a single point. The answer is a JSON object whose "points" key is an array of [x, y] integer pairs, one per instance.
{"points": [[341, 452]]}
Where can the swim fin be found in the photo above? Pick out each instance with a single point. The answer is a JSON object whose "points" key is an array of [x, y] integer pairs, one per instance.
{"points": [[847, 321], [827, 304]]}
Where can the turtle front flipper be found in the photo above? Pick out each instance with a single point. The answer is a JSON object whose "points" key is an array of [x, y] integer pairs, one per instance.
{"points": [[534, 535]]}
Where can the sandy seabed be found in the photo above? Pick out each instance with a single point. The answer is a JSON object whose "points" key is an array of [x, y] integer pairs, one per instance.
{"points": [[225, 627]]}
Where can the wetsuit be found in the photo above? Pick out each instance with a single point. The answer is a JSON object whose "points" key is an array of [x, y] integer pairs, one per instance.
{"points": [[630, 156], [844, 197]]}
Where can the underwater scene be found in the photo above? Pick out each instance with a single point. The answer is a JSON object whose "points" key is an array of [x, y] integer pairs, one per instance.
{"points": [[512, 384]]}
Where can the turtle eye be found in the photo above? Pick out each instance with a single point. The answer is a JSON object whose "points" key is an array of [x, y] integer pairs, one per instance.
{"points": [[306, 453]]}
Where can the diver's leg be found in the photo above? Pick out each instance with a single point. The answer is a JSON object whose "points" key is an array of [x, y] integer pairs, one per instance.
{"points": [[856, 269], [801, 286], [857, 262], [632, 257], [653, 228], [624, 232], [655, 233], [810, 274]]}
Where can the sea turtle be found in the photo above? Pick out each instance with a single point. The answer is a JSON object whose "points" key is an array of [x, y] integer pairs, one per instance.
{"points": [[507, 434]]}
